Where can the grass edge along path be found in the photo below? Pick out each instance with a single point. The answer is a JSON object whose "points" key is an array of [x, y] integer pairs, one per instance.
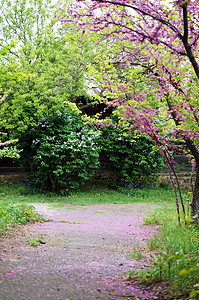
{"points": [[175, 249], [12, 213], [176, 255]]}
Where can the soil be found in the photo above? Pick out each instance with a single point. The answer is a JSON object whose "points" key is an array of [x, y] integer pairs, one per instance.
{"points": [[84, 253]]}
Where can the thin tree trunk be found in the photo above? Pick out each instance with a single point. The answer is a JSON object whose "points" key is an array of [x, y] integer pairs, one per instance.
{"points": [[195, 200], [194, 151]]}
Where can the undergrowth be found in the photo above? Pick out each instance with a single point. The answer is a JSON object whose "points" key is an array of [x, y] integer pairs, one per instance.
{"points": [[11, 214], [176, 254]]}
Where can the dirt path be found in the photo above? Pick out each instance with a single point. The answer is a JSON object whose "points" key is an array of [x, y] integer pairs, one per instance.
{"points": [[85, 255]]}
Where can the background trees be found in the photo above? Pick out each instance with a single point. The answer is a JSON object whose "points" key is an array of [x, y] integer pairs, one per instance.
{"points": [[52, 64], [164, 42], [42, 68], [47, 65], [8, 72]]}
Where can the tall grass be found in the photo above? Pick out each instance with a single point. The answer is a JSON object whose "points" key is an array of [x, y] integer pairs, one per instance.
{"points": [[176, 254]]}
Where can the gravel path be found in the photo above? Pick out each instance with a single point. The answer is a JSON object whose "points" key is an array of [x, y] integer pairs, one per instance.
{"points": [[86, 254]]}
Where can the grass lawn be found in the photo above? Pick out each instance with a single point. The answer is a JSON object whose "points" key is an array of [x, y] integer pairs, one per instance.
{"points": [[91, 192]]}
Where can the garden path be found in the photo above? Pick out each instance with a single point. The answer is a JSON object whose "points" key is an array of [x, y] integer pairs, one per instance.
{"points": [[86, 254]]}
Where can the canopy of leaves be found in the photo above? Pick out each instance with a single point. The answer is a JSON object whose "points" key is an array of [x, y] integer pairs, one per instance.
{"points": [[49, 63]]}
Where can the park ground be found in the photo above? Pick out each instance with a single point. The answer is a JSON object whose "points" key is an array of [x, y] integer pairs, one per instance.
{"points": [[84, 251]]}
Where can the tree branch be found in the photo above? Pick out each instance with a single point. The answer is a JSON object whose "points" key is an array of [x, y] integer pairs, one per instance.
{"points": [[185, 20], [188, 141], [183, 38], [144, 13]]}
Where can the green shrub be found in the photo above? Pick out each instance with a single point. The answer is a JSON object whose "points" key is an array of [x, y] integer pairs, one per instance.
{"points": [[133, 158], [59, 152]]}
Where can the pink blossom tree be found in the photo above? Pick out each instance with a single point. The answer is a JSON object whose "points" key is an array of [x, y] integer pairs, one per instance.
{"points": [[163, 39]]}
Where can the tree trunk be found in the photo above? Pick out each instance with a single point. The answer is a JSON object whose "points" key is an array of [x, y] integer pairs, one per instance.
{"points": [[195, 200]]}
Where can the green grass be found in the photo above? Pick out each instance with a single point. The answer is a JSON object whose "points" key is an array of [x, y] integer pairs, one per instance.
{"points": [[176, 253], [91, 192], [161, 215], [136, 252], [12, 213], [34, 242]]}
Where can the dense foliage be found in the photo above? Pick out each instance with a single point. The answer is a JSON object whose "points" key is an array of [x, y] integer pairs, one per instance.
{"points": [[160, 44], [133, 157], [7, 146], [59, 152], [42, 63]]}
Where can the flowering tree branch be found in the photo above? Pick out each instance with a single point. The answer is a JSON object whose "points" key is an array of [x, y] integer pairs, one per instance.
{"points": [[167, 39]]}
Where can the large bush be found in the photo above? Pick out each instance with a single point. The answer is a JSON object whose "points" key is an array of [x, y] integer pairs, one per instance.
{"points": [[59, 152], [132, 157]]}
